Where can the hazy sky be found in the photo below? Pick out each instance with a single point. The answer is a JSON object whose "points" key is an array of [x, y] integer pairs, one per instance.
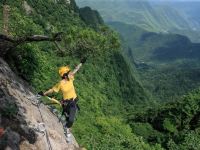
{"points": [[170, 0], [176, 0], [141, 0], [145, 0]]}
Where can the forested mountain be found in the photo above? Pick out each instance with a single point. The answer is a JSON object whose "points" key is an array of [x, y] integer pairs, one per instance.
{"points": [[106, 86], [175, 124], [188, 9], [139, 13], [168, 64], [153, 47], [118, 110], [157, 16]]}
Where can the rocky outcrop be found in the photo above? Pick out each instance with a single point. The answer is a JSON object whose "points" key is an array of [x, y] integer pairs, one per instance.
{"points": [[19, 117]]}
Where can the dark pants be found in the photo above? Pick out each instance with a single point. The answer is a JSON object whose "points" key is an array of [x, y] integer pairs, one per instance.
{"points": [[69, 110]]}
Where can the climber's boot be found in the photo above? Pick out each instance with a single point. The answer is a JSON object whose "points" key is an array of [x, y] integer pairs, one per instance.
{"points": [[68, 135]]}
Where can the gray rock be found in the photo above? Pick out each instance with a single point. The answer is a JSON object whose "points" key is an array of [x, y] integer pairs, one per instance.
{"points": [[18, 123]]}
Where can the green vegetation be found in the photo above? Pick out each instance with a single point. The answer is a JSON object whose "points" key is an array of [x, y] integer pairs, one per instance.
{"points": [[155, 16], [91, 17], [150, 47], [116, 110], [9, 110], [169, 76], [139, 13], [167, 63], [168, 83], [102, 84], [174, 125]]}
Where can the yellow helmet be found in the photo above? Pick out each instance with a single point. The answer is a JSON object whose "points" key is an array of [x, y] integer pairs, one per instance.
{"points": [[63, 70]]}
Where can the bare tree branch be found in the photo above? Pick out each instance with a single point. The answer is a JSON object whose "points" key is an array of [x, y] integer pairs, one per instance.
{"points": [[7, 42], [6, 38]]}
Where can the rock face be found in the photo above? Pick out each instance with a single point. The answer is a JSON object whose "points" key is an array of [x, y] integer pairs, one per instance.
{"points": [[19, 118]]}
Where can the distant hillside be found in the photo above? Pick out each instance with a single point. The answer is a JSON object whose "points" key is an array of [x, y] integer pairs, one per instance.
{"points": [[152, 47], [188, 9], [168, 64], [140, 13], [166, 17]]}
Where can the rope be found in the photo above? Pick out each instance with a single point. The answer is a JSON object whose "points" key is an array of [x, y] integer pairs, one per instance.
{"points": [[47, 137], [35, 101]]}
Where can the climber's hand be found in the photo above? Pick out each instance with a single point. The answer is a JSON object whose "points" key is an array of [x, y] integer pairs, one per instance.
{"points": [[83, 60], [41, 93]]}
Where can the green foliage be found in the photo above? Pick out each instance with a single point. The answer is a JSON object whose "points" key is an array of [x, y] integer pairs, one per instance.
{"points": [[108, 91], [177, 122], [146, 131], [9, 110], [156, 47], [91, 17], [20, 24], [113, 134], [169, 17], [190, 141], [131, 94], [101, 84], [87, 42], [1, 21], [167, 64], [169, 126], [169, 82]]}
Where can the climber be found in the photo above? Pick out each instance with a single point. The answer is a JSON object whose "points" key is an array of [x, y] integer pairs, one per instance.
{"points": [[66, 86]]}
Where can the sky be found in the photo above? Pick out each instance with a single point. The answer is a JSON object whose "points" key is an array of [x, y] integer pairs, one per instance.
{"points": [[143, 0], [148, 0], [176, 0]]}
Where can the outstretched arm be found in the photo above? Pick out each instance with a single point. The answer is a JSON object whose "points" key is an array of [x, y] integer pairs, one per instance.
{"points": [[45, 93], [72, 73], [48, 92]]}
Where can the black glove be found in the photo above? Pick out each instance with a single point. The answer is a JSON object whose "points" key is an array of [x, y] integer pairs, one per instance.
{"points": [[83, 60], [41, 93]]}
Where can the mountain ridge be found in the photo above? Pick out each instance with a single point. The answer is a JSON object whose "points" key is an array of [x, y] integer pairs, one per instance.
{"points": [[151, 17], [167, 58], [155, 16]]}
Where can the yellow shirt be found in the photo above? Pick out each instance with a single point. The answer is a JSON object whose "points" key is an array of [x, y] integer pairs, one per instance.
{"points": [[67, 89]]}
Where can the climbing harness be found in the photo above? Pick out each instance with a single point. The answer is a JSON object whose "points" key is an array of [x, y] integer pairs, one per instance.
{"points": [[65, 105]]}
